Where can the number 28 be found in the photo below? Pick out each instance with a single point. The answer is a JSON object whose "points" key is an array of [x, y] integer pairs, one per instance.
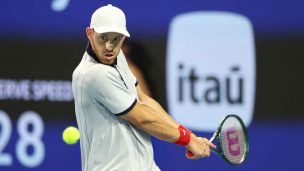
{"points": [[26, 138]]}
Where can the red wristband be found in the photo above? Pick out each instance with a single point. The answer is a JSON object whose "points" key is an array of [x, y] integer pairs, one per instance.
{"points": [[184, 137], [184, 128]]}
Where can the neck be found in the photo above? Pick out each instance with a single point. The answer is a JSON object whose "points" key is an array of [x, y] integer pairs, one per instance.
{"points": [[91, 52]]}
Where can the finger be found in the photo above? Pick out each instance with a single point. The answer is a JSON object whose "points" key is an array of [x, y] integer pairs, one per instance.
{"points": [[211, 145], [190, 155], [207, 153]]}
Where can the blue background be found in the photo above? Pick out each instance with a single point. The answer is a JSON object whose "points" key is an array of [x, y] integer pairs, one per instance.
{"points": [[34, 18], [273, 146]]}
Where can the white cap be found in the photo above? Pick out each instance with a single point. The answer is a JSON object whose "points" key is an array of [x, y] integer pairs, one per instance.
{"points": [[109, 19]]}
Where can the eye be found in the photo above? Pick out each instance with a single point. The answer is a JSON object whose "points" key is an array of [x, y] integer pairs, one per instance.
{"points": [[117, 39], [102, 37]]}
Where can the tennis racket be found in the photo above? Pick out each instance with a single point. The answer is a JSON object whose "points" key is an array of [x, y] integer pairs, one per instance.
{"points": [[231, 139]]}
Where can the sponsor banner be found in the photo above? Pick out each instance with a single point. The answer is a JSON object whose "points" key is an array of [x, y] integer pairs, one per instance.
{"points": [[210, 68]]}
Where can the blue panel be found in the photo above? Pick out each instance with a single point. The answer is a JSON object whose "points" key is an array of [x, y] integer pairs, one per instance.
{"points": [[273, 146], [37, 18]]}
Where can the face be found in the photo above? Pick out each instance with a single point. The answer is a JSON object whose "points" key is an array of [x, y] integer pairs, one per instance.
{"points": [[106, 46]]}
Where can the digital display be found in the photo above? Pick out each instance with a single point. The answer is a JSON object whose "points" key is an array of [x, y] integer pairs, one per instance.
{"points": [[36, 105]]}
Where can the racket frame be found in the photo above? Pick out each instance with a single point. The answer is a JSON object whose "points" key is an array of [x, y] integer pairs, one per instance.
{"points": [[217, 136]]}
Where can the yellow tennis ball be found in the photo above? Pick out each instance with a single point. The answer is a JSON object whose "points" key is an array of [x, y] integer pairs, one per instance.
{"points": [[70, 135]]}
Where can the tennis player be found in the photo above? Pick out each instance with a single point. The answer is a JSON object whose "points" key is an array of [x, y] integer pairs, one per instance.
{"points": [[115, 118]]}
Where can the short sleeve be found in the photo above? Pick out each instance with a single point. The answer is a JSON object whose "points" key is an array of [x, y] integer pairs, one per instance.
{"points": [[133, 78], [111, 91], [122, 58]]}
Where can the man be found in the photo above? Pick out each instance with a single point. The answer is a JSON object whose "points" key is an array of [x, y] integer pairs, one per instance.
{"points": [[114, 116]]}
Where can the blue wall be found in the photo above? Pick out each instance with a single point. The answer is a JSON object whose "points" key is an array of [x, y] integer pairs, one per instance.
{"points": [[144, 18], [273, 146]]}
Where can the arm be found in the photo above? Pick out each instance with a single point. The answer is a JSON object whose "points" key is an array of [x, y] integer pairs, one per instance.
{"points": [[156, 106], [140, 78], [149, 116], [149, 120]]}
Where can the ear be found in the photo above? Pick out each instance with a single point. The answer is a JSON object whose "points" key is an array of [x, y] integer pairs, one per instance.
{"points": [[124, 37], [89, 32]]}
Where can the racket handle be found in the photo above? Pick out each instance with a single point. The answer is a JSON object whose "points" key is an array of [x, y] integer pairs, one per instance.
{"points": [[189, 153]]}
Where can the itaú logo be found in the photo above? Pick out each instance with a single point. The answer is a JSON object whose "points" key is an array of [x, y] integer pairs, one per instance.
{"points": [[210, 89], [210, 68]]}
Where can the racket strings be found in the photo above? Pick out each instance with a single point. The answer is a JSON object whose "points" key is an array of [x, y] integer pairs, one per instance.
{"points": [[233, 141]]}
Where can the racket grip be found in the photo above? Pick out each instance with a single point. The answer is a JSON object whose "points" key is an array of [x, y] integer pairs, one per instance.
{"points": [[189, 153]]}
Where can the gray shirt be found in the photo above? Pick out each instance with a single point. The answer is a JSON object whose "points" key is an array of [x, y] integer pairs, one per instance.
{"points": [[101, 93]]}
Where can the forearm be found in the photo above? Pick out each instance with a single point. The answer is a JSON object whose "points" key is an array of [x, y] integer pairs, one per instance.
{"points": [[164, 123], [152, 122], [156, 125], [149, 120], [160, 111]]}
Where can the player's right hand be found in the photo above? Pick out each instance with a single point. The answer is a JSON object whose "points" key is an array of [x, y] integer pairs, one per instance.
{"points": [[198, 147]]}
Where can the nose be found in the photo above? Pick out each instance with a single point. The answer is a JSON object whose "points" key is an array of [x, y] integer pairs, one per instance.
{"points": [[109, 46]]}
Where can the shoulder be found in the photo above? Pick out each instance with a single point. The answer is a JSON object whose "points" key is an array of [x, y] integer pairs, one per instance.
{"points": [[99, 72], [121, 58]]}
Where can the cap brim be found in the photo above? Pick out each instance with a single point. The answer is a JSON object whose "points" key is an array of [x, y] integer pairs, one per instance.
{"points": [[106, 29]]}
